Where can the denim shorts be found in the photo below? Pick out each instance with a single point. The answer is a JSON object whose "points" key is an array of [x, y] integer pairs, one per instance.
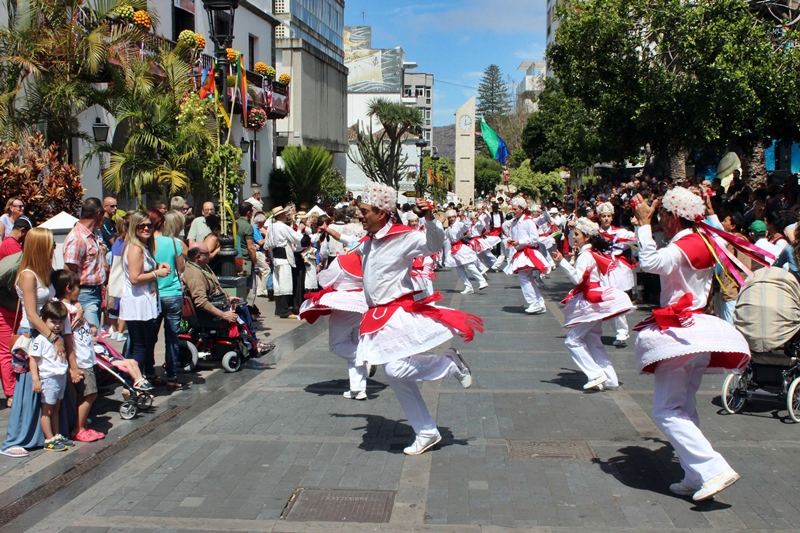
{"points": [[53, 388]]}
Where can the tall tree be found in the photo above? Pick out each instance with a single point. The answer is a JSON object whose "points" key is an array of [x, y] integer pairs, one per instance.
{"points": [[677, 75], [493, 95], [380, 154], [306, 166]]}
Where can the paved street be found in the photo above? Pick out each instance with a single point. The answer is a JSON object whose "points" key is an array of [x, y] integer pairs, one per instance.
{"points": [[228, 455]]}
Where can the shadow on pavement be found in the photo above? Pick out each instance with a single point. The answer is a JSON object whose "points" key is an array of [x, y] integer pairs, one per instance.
{"points": [[758, 407], [335, 387], [636, 466], [514, 309], [384, 435], [570, 379]]}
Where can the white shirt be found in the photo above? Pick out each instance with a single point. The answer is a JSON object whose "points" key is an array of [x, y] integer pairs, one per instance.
{"points": [[280, 235], [82, 340], [457, 231], [48, 361], [584, 261], [386, 261], [677, 275], [524, 231]]}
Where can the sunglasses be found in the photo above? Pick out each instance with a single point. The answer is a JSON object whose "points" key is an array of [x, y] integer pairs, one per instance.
{"points": [[21, 206], [144, 226]]}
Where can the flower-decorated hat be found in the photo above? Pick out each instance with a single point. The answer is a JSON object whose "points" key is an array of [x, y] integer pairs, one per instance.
{"points": [[587, 227], [381, 196], [606, 208], [682, 202]]}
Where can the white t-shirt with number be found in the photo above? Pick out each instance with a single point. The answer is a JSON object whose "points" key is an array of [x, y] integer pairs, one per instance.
{"points": [[48, 361], [81, 339]]}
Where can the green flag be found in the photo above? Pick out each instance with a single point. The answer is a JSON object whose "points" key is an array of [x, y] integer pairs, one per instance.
{"points": [[496, 145]]}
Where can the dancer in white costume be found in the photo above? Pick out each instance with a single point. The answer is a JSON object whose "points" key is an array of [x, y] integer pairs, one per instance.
{"points": [[679, 343], [590, 303], [527, 262], [622, 276], [482, 241], [423, 268], [398, 331], [461, 255], [342, 299]]}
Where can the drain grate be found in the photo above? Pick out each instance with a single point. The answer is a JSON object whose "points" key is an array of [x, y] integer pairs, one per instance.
{"points": [[339, 505], [565, 449]]}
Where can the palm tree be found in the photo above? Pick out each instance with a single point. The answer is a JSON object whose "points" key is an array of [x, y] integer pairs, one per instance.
{"points": [[49, 53], [167, 140], [305, 168], [380, 155]]}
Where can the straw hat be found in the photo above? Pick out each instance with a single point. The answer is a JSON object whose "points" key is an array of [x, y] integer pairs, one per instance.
{"points": [[278, 210]]}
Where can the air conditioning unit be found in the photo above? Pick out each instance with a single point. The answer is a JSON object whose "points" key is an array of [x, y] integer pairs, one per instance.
{"points": [[281, 7]]}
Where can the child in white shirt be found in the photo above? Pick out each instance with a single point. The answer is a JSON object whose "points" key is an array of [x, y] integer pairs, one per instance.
{"points": [[49, 376]]}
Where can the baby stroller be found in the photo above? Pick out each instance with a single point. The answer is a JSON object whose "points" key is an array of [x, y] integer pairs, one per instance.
{"points": [[768, 315], [204, 339], [135, 400]]}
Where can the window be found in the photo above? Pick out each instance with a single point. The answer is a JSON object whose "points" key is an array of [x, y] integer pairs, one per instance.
{"points": [[254, 161], [427, 113], [181, 20], [419, 91], [428, 92], [252, 47], [407, 91]]}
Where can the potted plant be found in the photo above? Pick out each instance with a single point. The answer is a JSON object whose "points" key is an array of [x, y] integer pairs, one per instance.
{"points": [[265, 70], [256, 118], [142, 19], [284, 79]]}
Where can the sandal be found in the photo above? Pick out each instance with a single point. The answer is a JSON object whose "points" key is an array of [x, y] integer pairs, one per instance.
{"points": [[175, 385], [16, 452]]}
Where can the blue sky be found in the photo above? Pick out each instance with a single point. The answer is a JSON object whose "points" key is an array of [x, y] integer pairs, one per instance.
{"points": [[456, 40]]}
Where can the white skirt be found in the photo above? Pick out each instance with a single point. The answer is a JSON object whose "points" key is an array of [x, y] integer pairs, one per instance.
{"points": [[404, 335], [481, 244], [282, 279], [579, 310], [708, 334], [464, 256], [523, 262], [351, 301], [422, 283]]}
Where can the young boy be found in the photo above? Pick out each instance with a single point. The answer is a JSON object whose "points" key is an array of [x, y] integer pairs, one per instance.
{"points": [[67, 286], [49, 376]]}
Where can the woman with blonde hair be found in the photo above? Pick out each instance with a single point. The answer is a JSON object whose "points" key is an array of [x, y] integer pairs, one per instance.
{"points": [[15, 207], [171, 251], [139, 304], [34, 290]]}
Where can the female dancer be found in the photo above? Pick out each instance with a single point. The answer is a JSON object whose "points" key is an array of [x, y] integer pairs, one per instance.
{"points": [[589, 303]]}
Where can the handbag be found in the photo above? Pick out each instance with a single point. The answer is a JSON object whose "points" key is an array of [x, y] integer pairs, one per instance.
{"points": [[115, 278], [20, 346]]}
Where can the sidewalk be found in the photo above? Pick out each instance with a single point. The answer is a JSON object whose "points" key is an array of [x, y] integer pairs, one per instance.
{"points": [[280, 450]]}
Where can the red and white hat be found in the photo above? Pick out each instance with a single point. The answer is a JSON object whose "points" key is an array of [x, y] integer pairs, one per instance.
{"points": [[381, 196], [684, 203]]}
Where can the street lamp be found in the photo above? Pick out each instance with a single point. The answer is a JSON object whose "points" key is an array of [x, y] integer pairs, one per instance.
{"points": [[220, 28], [244, 144], [100, 131]]}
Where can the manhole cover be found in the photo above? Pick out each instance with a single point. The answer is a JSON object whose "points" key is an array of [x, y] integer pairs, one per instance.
{"points": [[565, 449], [339, 505]]}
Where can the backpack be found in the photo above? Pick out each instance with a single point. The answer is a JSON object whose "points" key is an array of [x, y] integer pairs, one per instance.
{"points": [[9, 266]]}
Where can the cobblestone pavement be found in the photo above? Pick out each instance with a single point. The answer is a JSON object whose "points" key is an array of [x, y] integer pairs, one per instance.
{"points": [[234, 464]]}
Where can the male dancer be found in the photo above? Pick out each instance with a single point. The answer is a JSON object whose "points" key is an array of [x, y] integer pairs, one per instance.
{"points": [[621, 277], [462, 256], [527, 262], [398, 331], [679, 343]]}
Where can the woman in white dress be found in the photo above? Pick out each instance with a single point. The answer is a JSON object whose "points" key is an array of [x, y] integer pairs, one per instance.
{"points": [[591, 302]]}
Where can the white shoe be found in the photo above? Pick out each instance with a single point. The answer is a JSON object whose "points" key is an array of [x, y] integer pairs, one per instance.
{"points": [[483, 285], [484, 270], [621, 342], [422, 444], [683, 488], [497, 264], [595, 382], [463, 373], [353, 395], [716, 484], [534, 309], [468, 290]]}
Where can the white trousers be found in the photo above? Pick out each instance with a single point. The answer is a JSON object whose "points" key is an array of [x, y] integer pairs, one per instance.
{"points": [[487, 258], [465, 272], [586, 347], [675, 413], [403, 375], [621, 325], [343, 341], [530, 290], [260, 278]]}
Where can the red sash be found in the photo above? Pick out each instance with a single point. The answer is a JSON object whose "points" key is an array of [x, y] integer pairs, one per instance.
{"points": [[589, 289], [537, 263], [677, 315], [496, 232], [463, 323], [475, 243], [312, 315], [456, 246]]}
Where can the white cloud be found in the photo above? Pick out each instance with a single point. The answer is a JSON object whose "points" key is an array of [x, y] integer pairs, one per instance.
{"points": [[472, 74], [534, 52]]}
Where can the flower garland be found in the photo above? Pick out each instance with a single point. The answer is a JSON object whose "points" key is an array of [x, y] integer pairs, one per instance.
{"points": [[256, 118]]}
